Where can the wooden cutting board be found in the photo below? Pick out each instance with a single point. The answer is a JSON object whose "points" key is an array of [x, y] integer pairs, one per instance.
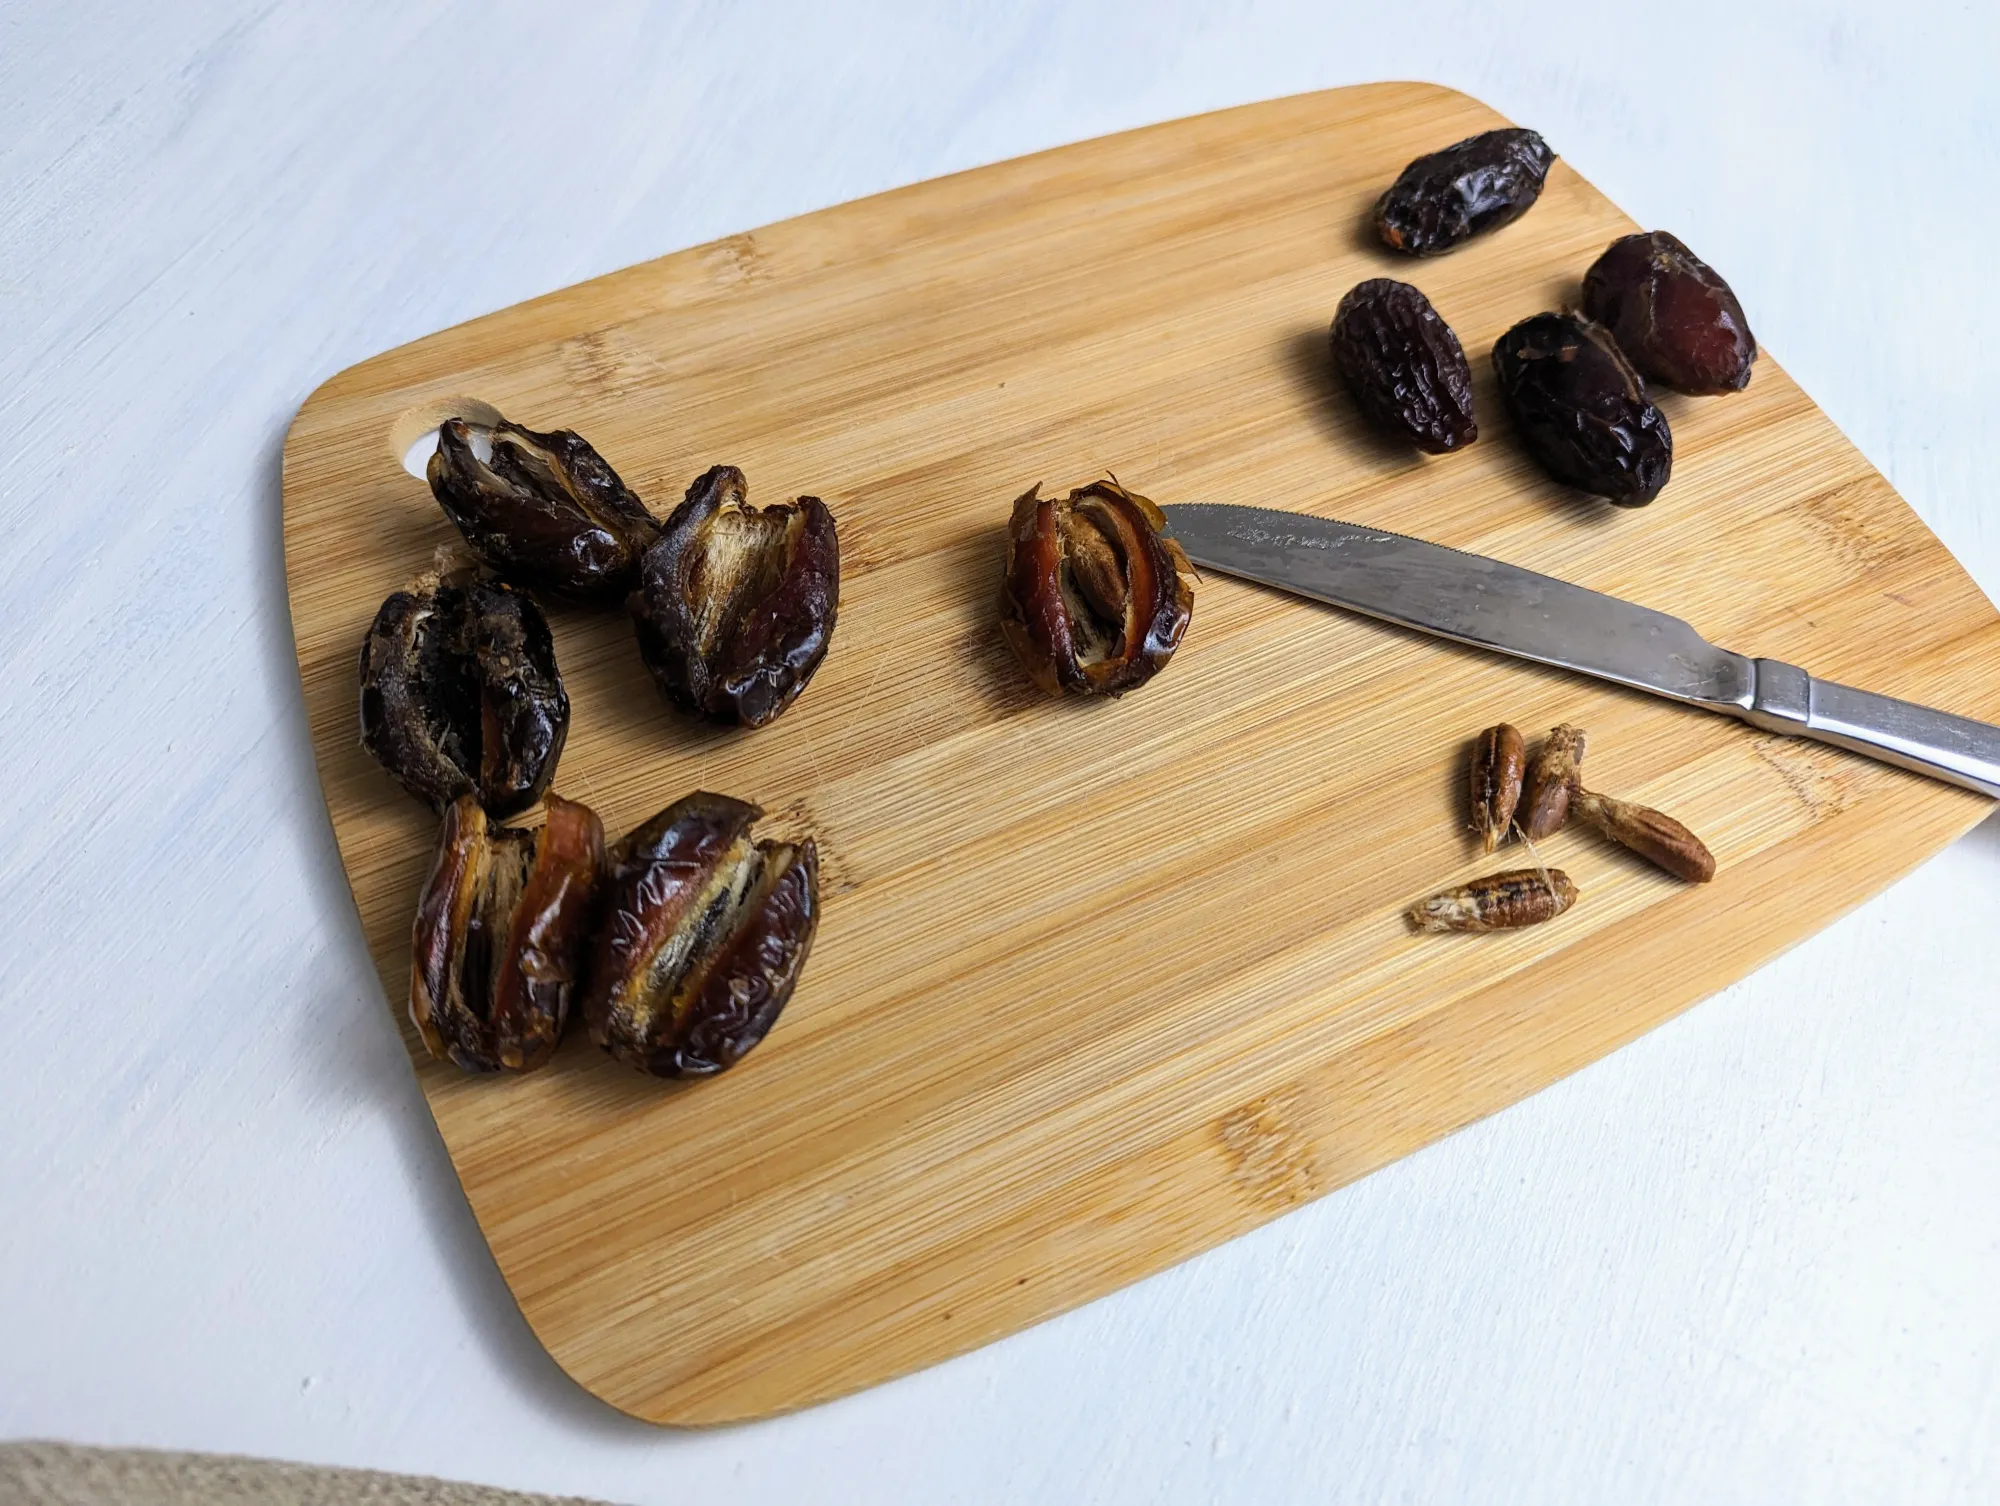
{"points": [[1101, 985]]}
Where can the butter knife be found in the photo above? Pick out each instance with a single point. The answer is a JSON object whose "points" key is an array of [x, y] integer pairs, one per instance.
{"points": [[1471, 599]]}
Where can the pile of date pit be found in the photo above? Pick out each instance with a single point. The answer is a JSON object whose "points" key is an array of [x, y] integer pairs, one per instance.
{"points": [[684, 939], [1512, 793]]}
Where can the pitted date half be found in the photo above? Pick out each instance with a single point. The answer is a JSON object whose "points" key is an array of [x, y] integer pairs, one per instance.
{"points": [[460, 693], [545, 510], [702, 934], [1582, 410], [1096, 595], [736, 604], [1671, 313], [501, 934], [1481, 183], [1404, 365]]}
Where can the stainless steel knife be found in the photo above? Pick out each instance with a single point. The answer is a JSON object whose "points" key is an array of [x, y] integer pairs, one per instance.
{"points": [[1490, 605]]}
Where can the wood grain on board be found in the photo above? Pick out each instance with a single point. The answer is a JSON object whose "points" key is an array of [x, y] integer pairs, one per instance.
{"points": [[1101, 985]]}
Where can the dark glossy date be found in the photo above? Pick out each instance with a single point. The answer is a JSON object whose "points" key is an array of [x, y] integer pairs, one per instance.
{"points": [[501, 935], [460, 692], [702, 934], [736, 604], [1481, 183], [545, 510], [1671, 313], [1404, 365], [1096, 595], [1582, 410]]}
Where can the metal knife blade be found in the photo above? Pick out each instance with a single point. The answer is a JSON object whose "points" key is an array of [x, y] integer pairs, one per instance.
{"points": [[1501, 607]]}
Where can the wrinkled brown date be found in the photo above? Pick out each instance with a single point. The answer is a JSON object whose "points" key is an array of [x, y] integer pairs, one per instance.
{"points": [[1497, 902], [1674, 317], [1096, 596], [736, 604], [702, 933], [501, 933], [1498, 762], [1582, 410], [545, 510], [1475, 185], [460, 693], [1404, 365]]}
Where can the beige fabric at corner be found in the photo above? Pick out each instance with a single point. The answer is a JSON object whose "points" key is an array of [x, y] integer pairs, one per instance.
{"points": [[61, 1474]]}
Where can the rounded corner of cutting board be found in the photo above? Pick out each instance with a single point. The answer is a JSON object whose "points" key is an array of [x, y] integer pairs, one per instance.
{"points": [[916, 351], [1415, 91]]}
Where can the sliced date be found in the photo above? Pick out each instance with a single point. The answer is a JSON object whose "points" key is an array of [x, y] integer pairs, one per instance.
{"points": [[736, 604], [702, 933], [545, 510], [501, 935], [460, 692], [1096, 595]]}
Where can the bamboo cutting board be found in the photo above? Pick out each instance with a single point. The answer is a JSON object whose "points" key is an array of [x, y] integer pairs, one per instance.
{"points": [[1098, 986]]}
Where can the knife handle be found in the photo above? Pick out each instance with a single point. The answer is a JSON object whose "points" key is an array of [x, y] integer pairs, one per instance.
{"points": [[1955, 749]]}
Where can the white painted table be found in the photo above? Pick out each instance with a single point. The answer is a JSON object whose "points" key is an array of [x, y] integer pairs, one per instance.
{"points": [[1751, 1258]]}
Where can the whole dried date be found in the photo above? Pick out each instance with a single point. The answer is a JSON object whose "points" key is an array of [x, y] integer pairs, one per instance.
{"points": [[1404, 365], [736, 604], [1096, 595], [1498, 759], [460, 693], [1497, 902], [501, 933], [1582, 410], [701, 936], [1481, 183], [1657, 837], [1671, 313], [1553, 778], [545, 510]]}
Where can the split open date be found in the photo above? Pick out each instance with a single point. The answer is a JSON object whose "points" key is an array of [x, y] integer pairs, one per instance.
{"points": [[1096, 595], [736, 604], [460, 692], [681, 944], [544, 510]]}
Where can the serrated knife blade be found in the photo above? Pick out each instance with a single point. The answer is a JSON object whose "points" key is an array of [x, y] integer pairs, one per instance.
{"points": [[1506, 609]]}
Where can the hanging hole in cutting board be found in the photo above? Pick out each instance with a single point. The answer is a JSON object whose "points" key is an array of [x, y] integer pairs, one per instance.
{"points": [[413, 436]]}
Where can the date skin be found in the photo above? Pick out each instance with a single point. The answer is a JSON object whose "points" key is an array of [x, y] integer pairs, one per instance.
{"points": [[736, 605], [1442, 200], [1672, 315], [460, 693], [702, 935], [1581, 409], [1096, 596], [1404, 365], [544, 510], [501, 935]]}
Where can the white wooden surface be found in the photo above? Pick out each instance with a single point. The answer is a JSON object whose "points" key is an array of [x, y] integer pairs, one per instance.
{"points": [[1749, 1259]]}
